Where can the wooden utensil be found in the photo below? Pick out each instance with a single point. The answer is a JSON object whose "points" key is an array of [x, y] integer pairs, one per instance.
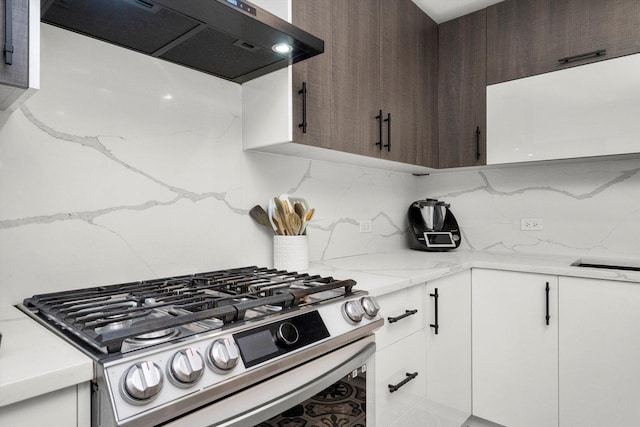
{"points": [[295, 223], [261, 217], [281, 216], [305, 221]]}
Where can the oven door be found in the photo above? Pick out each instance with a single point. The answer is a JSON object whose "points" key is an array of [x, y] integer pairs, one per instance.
{"points": [[283, 392]]}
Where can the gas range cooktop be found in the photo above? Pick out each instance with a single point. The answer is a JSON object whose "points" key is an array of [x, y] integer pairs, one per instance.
{"points": [[166, 348], [116, 319]]}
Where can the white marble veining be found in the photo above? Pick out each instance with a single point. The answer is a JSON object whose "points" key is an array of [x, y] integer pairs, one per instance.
{"points": [[124, 167], [589, 208]]}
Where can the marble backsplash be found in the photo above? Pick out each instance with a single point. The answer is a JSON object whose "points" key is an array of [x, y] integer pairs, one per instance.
{"points": [[123, 167], [588, 208]]}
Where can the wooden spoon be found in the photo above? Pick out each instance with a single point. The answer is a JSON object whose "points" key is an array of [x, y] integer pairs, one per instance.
{"points": [[305, 221], [281, 216], [261, 217], [295, 223]]}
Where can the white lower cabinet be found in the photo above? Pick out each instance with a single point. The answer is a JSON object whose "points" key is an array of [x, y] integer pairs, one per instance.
{"points": [[599, 353], [515, 348], [400, 357], [449, 350], [68, 407], [401, 365]]}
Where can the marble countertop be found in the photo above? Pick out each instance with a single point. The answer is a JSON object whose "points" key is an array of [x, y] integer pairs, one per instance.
{"points": [[33, 361], [381, 273]]}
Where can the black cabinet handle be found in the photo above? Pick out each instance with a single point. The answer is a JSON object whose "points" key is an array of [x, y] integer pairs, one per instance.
{"points": [[8, 32], [388, 144], [547, 317], [582, 56], [393, 388], [478, 143], [407, 313], [379, 118], [303, 92], [435, 325]]}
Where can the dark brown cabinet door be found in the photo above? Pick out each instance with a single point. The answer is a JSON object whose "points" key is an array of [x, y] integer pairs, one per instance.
{"points": [[519, 41], [409, 83], [355, 88], [462, 91], [312, 110], [528, 37], [399, 69], [582, 27], [427, 91]]}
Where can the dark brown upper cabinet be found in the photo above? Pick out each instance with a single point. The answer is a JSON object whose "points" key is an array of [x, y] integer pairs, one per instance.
{"points": [[409, 83], [355, 90], [528, 37], [312, 79], [16, 84], [382, 79], [462, 91]]}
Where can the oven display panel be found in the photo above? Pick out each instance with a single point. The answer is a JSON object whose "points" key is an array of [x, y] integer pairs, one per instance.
{"points": [[266, 342]]}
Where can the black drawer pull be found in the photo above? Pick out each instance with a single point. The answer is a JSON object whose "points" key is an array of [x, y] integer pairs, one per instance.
{"points": [[478, 143], [388, 144], [393, 388], [379, 118], [8, 32], [582, 56], [407, 313], [435, 325], [547, 317], [303, 92]]}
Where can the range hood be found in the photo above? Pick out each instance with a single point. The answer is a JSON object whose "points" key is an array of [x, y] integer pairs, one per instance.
{"points": [[230, 39]]}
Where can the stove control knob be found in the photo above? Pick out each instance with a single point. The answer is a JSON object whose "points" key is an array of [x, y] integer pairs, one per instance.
{"points": [[223, 354], [186, 367], [353, 310], [142, 382], [287, 334], [370, 306]]}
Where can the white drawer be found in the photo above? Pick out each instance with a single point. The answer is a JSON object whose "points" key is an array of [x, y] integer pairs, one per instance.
{"points": [[403, 314], [407, 356]]}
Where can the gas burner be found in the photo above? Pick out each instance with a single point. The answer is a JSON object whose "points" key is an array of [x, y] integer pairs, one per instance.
{"points": [[148, 339]]}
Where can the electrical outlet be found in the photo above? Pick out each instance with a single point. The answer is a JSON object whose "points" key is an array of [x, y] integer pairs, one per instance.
{"points": [[365, 227], [531, 224]]}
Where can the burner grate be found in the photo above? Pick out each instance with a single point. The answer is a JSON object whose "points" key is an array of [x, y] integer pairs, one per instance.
{"points": [[106, 316]]}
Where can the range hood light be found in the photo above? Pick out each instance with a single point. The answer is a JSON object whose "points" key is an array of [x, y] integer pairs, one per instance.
{"points": [[282, 48]]}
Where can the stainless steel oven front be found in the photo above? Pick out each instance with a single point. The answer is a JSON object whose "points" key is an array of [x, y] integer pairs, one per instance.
{"points": [[332, 387]]}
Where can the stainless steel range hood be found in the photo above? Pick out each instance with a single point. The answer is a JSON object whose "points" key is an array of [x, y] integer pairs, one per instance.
{"points": [[231, 39]]}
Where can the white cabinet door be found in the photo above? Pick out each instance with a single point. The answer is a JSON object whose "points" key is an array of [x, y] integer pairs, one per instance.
{"points": [[404, 361], [599, 353], [590, 110], [449, 349], [515, 351], [55, 409]]}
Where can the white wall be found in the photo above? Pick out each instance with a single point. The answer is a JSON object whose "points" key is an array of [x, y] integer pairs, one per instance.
{"points": [[123, 167]]}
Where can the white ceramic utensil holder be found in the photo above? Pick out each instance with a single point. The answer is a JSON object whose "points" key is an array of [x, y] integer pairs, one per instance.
{"points": [[290, 253]]}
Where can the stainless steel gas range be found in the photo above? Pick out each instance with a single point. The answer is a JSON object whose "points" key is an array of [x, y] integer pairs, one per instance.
{"points": [[231, 347]]}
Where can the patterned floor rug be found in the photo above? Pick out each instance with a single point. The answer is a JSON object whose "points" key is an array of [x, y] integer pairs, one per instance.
{"points": [[343, 404]]}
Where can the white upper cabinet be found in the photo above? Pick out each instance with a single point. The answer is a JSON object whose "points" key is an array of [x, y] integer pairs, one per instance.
{"points": [[584, 111]]}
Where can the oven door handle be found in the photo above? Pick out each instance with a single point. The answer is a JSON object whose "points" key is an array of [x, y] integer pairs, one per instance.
{"points": [[268, 399]]}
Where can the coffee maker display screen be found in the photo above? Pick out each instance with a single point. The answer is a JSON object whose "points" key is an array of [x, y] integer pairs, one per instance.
{"points": [[436, 239]]}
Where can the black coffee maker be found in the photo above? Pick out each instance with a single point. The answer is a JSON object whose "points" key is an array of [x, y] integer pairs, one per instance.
{"points": [[432, 226]]}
